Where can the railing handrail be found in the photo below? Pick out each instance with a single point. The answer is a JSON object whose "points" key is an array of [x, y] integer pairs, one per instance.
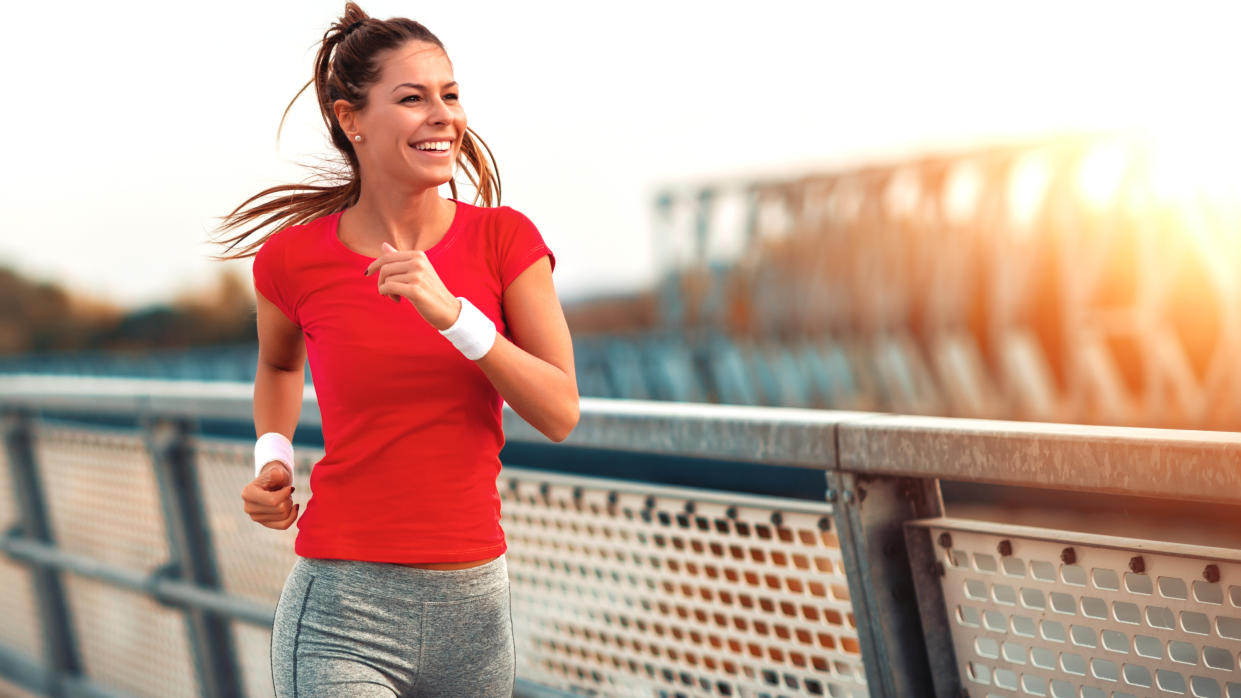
{"points": [[1164, 463]]}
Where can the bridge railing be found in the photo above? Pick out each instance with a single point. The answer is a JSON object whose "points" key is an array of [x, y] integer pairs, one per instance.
{"points": [[663, 549]]}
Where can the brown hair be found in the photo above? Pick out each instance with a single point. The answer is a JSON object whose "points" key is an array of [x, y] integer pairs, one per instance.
{"points": [[346, 65]]}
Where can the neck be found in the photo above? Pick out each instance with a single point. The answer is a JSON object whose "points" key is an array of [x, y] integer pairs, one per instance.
{"points": [[402, 218]]}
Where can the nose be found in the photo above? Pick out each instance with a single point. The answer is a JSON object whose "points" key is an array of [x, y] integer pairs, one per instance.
{"points": [[441, 114]]}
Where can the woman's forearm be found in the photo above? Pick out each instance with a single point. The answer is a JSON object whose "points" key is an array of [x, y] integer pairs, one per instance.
{"points": [[538, 391], [277, 399]]}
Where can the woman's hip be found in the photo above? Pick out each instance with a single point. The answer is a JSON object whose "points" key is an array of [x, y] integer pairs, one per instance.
{"points": [[439, 630]]}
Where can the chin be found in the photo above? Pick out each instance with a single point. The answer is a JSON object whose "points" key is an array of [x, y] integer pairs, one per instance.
{"points": [[438, 182], [426, 180]]}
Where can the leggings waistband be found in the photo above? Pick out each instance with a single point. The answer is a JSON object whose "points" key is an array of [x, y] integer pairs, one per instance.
{"points": [[410, 583]]}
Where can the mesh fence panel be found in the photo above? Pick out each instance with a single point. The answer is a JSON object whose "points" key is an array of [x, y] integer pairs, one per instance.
{"points": [[130, 642], [253, 560], [254, 656], [659, 591], [103, 502], [19, 629], [102, 495], [11, 690], [1067, 614]]}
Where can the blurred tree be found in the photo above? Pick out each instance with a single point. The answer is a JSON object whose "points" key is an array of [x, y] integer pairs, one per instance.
{"points": [[41, 317]]}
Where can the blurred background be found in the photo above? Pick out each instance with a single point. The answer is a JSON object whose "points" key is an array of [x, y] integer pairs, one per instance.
{"points": [[960, 208]]}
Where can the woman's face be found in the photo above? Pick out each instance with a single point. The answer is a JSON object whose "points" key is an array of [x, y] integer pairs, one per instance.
{"points": [[413, 122]]}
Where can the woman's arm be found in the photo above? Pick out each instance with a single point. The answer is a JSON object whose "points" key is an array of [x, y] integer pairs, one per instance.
{"points": [[534, 373], [279, 381], [280, 377]]}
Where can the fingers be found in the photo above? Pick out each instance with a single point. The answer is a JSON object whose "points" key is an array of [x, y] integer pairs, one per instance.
{"points": [[280, 522], [292, 517], [409, 283], [398, 286], [272, 509], [407, 267], [256, 493], [410, 260], [260, 501], [396, 282]]}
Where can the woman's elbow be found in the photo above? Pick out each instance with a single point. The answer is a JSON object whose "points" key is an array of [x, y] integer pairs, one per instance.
{"points": [[567, 422]]}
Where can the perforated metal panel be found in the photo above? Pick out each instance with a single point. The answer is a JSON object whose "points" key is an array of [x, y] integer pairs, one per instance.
{"points": [[19, 629], [629, 589], [1035, 612]]}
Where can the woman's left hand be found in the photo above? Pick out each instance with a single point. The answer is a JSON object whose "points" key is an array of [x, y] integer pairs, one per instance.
{"points": [[409, 274]]}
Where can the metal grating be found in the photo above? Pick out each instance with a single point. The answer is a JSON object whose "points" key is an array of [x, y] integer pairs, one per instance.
{"points": [[20, 629], [102, 496], [630, 589], [1037, 612], [130, 642]]}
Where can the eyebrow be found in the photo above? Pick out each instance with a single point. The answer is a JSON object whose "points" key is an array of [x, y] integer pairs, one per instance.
{"points": [[416, 86]]}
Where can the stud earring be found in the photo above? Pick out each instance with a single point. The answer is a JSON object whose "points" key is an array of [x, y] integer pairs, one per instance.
{"points": [[357, 139]]}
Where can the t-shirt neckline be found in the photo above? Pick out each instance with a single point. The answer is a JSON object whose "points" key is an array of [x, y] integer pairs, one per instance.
{"points": [[333, 230]]}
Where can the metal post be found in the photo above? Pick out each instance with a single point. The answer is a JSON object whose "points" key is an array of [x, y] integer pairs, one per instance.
{"points": [[59, 644], [870, 512], [193, 559], [927, 570]]}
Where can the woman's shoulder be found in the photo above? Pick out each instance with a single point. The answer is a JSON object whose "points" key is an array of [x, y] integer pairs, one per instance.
{"points": [[501, 216], [292, 234]]}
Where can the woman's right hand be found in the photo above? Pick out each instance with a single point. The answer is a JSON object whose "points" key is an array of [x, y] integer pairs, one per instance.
{"points": [[269, 497]]}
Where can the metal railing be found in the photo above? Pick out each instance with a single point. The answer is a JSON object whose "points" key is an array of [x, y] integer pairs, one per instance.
{"points": [[662, 550]]}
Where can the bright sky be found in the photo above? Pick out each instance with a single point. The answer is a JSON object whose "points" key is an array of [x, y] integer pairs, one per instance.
{"points": [[129, 127]]}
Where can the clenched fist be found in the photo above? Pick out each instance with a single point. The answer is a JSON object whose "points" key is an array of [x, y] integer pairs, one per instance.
{"points": [[269, 497], [409, 274]]}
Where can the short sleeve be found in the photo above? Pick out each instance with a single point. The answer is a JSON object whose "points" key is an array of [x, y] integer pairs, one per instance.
{"points": [[271, 278], [520, 246]]}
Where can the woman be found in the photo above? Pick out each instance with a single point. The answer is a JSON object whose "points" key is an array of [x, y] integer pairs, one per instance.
{"points": [[418, 315]]}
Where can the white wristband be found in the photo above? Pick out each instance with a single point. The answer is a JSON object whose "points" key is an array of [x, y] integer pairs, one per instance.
{"points": [[273, 446], [473, 334]]}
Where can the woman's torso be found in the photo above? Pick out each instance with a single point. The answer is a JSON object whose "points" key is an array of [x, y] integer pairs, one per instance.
{"points": [[411, 428]]}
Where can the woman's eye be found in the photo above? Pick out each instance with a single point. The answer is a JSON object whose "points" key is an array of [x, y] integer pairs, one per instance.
{"points": [[412, 98], [451, 95]]}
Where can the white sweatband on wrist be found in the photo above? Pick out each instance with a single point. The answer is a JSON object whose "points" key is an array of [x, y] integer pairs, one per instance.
{"points": [[473, 333], [273, 446]]}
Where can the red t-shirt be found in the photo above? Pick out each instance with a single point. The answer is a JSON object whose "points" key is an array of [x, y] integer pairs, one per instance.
{"points": [[411, 427]]}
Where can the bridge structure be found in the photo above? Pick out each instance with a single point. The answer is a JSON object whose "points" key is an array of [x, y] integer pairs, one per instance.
{"points": [[1084, 279], [661, 550]]}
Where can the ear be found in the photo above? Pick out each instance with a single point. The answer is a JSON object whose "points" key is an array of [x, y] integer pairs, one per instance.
{"points": [[345, 116]]}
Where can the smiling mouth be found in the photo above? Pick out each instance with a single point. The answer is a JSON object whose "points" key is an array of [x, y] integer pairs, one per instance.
{"points": [[434, 146]]}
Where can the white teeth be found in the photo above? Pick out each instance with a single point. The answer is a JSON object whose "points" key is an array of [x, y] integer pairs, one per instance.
{"points": [[437, 145]]}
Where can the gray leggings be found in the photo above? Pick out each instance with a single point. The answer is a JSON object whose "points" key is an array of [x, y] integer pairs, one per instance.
{"points": [[378, 630]]}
